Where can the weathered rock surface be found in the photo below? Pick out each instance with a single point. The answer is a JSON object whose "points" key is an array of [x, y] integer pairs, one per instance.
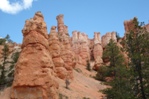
{"points": [[34, 76], [107, 37], [147, 27], [1, 51], [97, 50], [55, 51], [80, 46], [67, 54], [97, 38], [129, 25]]}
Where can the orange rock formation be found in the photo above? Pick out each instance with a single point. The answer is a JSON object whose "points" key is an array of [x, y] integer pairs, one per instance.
{"points": [[80, 46], [97, 50], [34, 76], [66, 52]]}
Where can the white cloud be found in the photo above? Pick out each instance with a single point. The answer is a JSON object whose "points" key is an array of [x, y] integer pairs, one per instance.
{"points": [[15, 7]]}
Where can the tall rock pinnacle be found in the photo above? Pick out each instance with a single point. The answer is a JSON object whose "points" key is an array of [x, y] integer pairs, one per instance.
{"points": [[97, 50], [34, 78], [66, 52]]}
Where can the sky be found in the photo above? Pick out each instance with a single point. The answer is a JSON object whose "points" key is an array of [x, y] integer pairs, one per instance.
{"points": [[86, 16]]}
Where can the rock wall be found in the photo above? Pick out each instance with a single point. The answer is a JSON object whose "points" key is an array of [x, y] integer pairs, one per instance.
{"points": [[80, 46], [34, 76]]}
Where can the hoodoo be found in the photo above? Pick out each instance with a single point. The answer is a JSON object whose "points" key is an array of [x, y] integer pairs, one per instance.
{"points": [[34, 77]]}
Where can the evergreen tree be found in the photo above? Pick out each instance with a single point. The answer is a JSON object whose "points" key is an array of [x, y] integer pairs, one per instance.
{"points": [[2, 41], [3, 71], [120, 83], [137, 41], [7, 66]]}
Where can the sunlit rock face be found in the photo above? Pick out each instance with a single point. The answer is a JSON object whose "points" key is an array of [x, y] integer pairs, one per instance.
{"points": [[67, 54], [34, 77], [129, 25], [55, 51], [97, 50], [147, 27], [107, 37], [80, 46]]}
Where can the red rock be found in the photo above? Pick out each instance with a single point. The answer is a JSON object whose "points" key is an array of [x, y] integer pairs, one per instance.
{"points": [[34, 77], [1, 51], [129, 25], [147, 27], [97, 51], [55, 51], [67, 54], [80, 46], [97, 38], [107, 37]]}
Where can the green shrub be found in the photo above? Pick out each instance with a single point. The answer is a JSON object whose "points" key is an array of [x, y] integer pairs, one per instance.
{"points": [[88, 67], [102, 73]]}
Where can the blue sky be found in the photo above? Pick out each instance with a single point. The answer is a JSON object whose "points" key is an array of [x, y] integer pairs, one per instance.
{"points": [[87, 16]]}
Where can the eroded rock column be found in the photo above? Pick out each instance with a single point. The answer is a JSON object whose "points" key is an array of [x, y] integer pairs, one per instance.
{"points": [[97, 50], [66, 52], [55, 50], [34, 77], [80, 46]]}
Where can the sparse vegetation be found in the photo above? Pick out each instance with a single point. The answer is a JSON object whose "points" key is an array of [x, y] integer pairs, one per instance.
{"points": [[88, 67], [61, 96], [85, 98], [102, 73], [78, 70], [117, 36], [7, 66], [67, 82]]}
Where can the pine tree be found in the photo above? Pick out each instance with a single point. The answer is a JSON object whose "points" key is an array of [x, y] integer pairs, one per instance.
{"points": [[7, 66], [137, 41], [3, 65], [120, 84]]}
